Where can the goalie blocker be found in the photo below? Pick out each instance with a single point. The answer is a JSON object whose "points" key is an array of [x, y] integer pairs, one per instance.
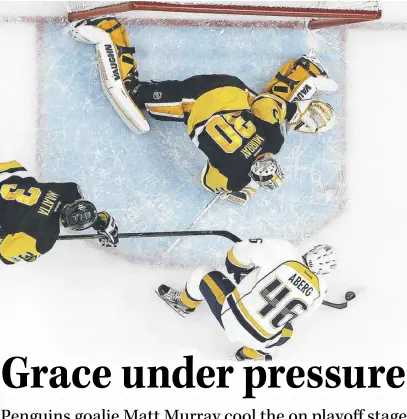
{"points": [[116, 63]]}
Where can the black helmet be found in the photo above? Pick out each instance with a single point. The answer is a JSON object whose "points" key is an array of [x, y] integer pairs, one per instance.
{"points": [[79, 215]]}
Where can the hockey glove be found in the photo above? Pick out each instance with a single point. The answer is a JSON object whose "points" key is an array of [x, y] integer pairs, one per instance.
{"points": [[312, 116], [106, 226], [238, 272]]}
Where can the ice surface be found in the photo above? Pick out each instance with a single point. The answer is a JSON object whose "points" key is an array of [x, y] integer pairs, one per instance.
{"points": [[151, 182], [81, 306]]}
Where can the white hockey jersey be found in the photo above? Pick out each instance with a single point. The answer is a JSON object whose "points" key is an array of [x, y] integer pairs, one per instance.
{"points": [[277, 291]]}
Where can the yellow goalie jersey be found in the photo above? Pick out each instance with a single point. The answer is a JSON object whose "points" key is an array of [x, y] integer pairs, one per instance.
{"points": [[232, 127], [227, 121], [29, 213]]}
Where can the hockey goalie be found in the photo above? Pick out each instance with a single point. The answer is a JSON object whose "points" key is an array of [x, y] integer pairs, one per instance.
{"points": [[239, 130]]}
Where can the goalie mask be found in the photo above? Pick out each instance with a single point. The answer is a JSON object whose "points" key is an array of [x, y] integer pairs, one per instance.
{"points": [[79, 215], [321, 260], [266, 171]]}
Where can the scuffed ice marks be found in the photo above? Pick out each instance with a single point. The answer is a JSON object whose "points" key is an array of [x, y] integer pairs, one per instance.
{"points": [[151, 182]]}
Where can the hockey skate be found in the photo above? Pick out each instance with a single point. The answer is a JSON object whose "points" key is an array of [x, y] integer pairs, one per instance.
{"points": [[325, 83], [173, 298], [110, 24], [241, 356], [105, 23]]}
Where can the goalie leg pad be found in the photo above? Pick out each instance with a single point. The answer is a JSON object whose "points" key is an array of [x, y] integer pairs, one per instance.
{"points": [[301, 79], [116, 63]]}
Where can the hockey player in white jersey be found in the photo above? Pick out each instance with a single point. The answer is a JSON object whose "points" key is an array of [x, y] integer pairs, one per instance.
{"points": [[268, 284]]}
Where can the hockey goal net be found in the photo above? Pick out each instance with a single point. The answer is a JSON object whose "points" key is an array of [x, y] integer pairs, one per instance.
{"points": [[314, 14]]}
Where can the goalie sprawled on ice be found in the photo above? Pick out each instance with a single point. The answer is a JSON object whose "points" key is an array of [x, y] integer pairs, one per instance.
{"points": [[238, 130]]}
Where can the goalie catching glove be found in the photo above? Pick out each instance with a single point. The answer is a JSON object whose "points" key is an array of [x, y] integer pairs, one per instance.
{"points": [[297, 82], [312, 116]]}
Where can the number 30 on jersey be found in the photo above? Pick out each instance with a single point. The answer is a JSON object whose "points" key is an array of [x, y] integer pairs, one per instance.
{"points": [[229, 130]]}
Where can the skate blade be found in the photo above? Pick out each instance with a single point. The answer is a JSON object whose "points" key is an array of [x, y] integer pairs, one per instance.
{"points": [[181, 313]]}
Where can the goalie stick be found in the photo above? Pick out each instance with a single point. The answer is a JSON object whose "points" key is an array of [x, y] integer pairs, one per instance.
{"points": [[197, 218]]}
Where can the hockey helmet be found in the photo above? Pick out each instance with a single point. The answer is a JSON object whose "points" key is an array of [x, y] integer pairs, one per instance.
{"points": [[266, 171], [79, 215], [321, 260]]}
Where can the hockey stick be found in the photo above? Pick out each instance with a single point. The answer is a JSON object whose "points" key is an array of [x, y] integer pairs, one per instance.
{"points": [[198, 217], [221, 233], [350, 295]]}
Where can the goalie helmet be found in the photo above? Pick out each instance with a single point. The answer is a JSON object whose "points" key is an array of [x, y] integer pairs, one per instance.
{"points": [[266, 171], [321, 260], [79, 215]]}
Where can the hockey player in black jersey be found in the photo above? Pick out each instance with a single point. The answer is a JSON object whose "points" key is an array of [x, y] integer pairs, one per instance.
{"points": [[238, 130], [32, 212]]}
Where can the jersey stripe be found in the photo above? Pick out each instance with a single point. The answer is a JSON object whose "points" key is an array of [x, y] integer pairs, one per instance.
{"points": [[243, 321], [4, 176], [248, 316], [214, 180], [305, 273], [188, 300], [5, 261], [216, 291], [220, 100], [269, 108], [11, 166], [234, 261]]}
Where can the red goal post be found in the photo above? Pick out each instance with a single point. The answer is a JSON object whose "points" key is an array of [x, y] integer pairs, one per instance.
{"points": [[315, 14]]}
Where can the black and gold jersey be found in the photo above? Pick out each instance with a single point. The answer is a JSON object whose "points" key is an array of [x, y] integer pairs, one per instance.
{"points": [[232, 128], [228, 121], [30, 213]]}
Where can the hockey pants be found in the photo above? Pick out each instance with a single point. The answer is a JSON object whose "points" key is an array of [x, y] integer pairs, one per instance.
{"points": [[172, 100]]}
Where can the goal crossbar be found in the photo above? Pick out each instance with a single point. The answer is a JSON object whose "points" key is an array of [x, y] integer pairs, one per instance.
{"points": [[319, 16]]}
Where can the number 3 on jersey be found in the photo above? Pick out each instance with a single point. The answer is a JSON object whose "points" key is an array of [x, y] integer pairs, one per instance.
{"points": [[22, 196], [229, 130]]}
